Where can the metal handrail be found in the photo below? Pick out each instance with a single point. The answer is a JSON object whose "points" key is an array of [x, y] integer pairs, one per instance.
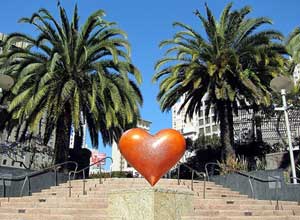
{"points": [[83, 175], [199, 174], [275, 179], [297, 178], [26, 177], [205, 167]]}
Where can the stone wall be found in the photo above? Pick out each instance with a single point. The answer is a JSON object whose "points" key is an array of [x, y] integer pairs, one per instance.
{"points": [[37, 183], [261, 190], [280, 160]]}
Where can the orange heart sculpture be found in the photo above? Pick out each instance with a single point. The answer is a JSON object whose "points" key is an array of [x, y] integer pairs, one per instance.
{"points": [[152, 156]]}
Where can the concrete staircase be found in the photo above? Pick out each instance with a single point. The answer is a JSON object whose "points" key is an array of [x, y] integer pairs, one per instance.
{"points": [[220, 203]]}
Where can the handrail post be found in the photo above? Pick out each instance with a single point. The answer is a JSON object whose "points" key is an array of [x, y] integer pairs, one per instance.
{"points": [[110, 172], [83, 189], [55, 176], [29, 186], [178, 174], [70, 185], [251, 187], [4, 187], [276, 196], [23, 186], [204, 186], [192, 181], [100, 180], [104, 174]]}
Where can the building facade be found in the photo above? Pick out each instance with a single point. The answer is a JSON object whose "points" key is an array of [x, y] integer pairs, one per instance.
{"points": [[72, 137], [296, 74], [198, 125], [119, 162], [97, 156]]}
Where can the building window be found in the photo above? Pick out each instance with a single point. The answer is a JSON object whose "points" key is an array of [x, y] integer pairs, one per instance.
{"points": [[201, 131], [13, 163], [201, 122], [215, 128], [4, 162], [207, 130], [207, 120]]}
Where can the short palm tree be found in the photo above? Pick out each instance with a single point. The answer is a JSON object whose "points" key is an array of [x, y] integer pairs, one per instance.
{"points": [[69, 75], [233, 65]]}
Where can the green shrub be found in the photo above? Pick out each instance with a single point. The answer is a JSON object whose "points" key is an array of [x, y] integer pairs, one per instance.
{"points": [[116, 174], [232, 164]]}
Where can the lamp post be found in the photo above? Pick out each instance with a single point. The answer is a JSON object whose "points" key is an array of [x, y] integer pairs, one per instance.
{"points": [[284, 85]]}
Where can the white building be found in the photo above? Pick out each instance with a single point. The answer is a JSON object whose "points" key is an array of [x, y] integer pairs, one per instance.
{"points": [[72, 137], [296, 74], [198, 125], [119, 163]]}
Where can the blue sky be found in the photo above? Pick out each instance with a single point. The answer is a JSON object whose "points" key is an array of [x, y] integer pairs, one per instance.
{"points": [[147, 23]]}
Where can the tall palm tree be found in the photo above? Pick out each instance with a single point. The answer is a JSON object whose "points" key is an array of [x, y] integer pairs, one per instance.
{"points": [[233, 64], [69, 75]]}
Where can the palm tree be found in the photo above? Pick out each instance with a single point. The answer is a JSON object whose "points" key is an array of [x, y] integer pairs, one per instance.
{"points": [[67, 76], [292, 44], [233, 65]]}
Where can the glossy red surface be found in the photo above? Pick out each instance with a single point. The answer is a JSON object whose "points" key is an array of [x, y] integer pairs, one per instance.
{"points": [[152, 155]]}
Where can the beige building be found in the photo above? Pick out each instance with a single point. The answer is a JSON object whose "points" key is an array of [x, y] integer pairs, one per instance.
{"points": [[119, 163]]}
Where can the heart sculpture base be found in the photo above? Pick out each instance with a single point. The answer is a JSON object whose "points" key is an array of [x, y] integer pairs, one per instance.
{"points": [[152, 155]]}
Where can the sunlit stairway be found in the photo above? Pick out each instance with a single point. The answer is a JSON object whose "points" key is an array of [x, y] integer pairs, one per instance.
{"points": [[219, 203]]}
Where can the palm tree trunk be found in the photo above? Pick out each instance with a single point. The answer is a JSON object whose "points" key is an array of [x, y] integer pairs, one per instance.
{"points": [[62, 140], [226, 127], [78, 139]]}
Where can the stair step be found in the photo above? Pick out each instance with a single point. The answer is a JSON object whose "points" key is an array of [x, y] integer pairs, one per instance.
{"points": [[19, 216], [245, 207], [54, 211], [6, 216], [54, 205], [241, 218], [220, 203], [245, 212]]}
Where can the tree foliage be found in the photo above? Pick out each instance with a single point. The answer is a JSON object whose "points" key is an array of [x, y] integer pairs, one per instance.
{"points": [[232, 64], [69, 75]]}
